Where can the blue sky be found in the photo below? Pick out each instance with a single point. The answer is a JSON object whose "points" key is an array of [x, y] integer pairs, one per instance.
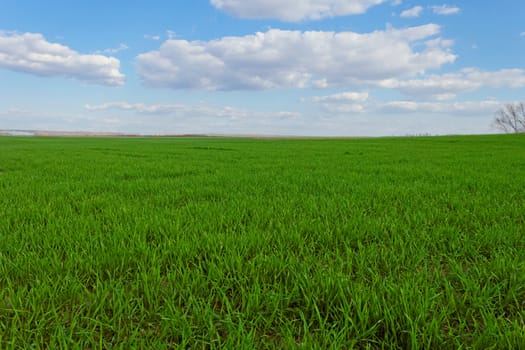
{"points": [[307, 67]]}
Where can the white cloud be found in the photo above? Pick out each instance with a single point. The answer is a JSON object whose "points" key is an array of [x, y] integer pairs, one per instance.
{"points": [[334, 116], [294, 59], [446, 10], [343, 97], [175, 118], [42, 119], [15, 111], [447, 86], [413, 12], [345, 102], [152, 37], [294, 11], [31, 53], [352, 102], [452, 108], [187, 110], [147, 119], [401, 117], [361, 102], [522, 34], [115, 50]]}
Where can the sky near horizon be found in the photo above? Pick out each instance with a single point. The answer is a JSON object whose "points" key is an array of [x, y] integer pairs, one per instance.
{"points": [[302, 67]]}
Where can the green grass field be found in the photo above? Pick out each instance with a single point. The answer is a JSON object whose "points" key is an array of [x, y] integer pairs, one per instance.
{"points": [[389, 243]]}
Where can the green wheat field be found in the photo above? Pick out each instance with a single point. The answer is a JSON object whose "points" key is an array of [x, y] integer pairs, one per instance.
{"points": [[239, 243]]}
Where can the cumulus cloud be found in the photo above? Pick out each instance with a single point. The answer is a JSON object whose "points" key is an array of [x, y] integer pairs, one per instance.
{"points": [[446, 10], [415, 11], [32, 53], [294, 59], [294, 11], [448, 86]]}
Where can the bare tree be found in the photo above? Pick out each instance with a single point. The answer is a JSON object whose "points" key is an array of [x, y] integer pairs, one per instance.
{"points": [[511, 118]]}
